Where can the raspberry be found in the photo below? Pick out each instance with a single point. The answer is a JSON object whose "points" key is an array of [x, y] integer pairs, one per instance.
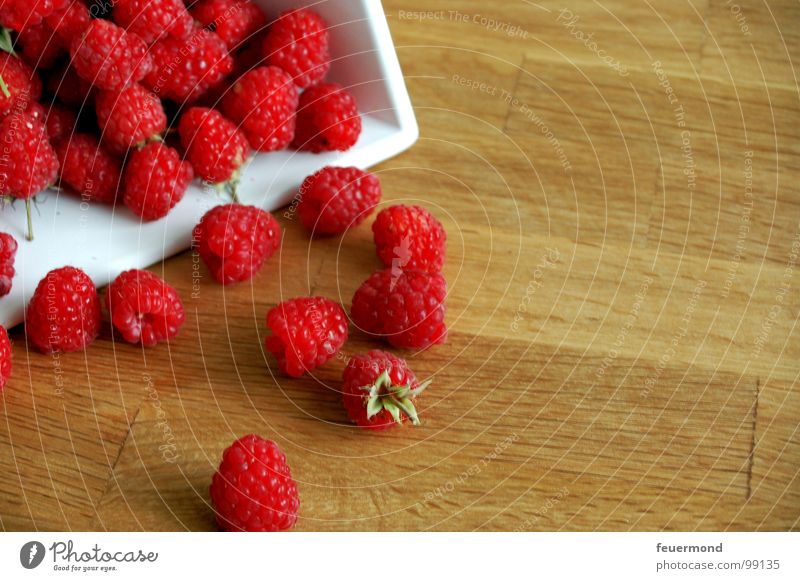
{"points": [[337, 198], [8, 252], [153, 19], [69, 88], [298, 43], [60, 122], [40, 46], [184, 69], [108, 57], [29, 164], [70, 22], [36, 110], [88, 169], [409, 237], [327, 119], [64, 314], [5, 358], [234, 241], [306, 332], [263, 102], [20, 14], [156, 179], [234, 21], [253, 489], [144, 308], [404, 307], [379, 389], [19, 85], [214, 146], [129, 117]]}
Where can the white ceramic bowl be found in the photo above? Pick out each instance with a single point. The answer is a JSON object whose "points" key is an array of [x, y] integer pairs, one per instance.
{"points": [[105, 241]]}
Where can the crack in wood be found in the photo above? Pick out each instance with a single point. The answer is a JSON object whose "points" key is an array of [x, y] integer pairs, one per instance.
{"points": [[753, 442]]}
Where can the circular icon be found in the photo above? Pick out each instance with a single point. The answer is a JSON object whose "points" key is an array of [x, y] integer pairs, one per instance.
{"points": [[31, 554]]}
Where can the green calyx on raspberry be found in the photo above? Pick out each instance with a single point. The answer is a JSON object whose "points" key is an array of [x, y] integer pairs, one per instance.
{"points": [[395, 399]]}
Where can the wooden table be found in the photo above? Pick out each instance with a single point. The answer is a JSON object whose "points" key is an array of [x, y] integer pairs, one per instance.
{"points": [[619, 183]]}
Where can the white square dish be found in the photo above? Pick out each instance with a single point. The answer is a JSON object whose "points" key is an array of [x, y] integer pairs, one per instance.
{"points": [[105, 241]]}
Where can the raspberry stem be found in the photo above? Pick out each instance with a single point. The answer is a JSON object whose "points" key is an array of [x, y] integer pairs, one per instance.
{"points": [[395, 399], [232, 185], [29, 236]]}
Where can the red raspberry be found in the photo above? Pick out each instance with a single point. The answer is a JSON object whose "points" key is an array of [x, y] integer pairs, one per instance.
{"points": [[234, 241], [253, 489], [88, 169], [36, 110], [327, 119], [70, 22], [379, 390], [5, 358], [306, 332], [64, 314], [108, 57], [144, 308], [69, 88], [156, 179], [21, 83], [404, 307], [153, 19], [18, 14], [263, 102], [184, 69], [60, 122], [234, 21], [337, 198], [409, 237], [40, 46], [129, 117], [8, 253], [298, 43], [214, 146], [29, 164]]}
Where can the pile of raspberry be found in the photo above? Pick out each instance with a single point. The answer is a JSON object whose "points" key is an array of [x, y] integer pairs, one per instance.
{"points": [[88, 101], [127, 102]]}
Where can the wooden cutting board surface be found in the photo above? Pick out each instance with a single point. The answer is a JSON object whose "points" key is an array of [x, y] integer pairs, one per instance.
{"points": [[619, 183]]}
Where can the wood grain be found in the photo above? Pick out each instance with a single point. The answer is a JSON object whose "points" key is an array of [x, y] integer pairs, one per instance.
{"points": [[623, 303]]}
